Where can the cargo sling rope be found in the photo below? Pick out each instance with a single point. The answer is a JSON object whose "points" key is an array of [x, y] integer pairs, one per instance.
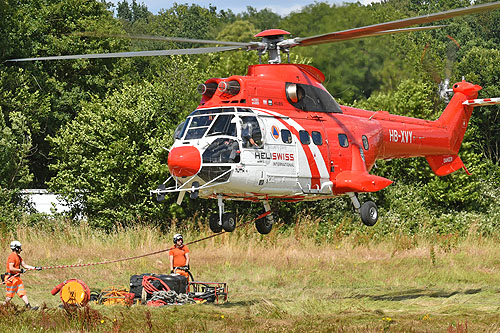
{"points": [[146, 254]]}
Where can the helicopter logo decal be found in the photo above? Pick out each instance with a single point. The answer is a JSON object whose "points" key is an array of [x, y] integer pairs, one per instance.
{"points": [[275, 133]]}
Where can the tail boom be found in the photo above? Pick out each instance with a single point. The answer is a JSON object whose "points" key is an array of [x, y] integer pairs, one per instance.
{"points": [[418, 137]]}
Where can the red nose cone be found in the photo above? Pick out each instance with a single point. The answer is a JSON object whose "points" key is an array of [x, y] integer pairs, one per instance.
{"points": [[184, 161]]}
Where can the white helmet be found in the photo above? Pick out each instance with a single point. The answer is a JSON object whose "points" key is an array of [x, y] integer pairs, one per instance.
{"points": [[177, 237], [15, 245]]}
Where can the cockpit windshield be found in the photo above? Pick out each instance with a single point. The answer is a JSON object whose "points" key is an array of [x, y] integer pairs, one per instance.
{"points": [[198, 126], [221, 122], [210, 122]]}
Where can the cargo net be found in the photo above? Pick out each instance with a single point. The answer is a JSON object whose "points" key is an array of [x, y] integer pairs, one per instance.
{"points": [[213, 292]]}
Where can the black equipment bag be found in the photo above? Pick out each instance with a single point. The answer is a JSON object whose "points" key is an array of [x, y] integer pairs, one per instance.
{"points": [[175, 282]]}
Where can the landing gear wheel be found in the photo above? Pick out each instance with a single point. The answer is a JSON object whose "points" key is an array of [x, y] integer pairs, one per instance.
{"points": [[213, 222], [228, 222], [263, 225], [369, 213]]}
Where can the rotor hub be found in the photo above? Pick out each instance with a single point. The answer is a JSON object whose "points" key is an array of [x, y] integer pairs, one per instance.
{"points": [[273, 39]]}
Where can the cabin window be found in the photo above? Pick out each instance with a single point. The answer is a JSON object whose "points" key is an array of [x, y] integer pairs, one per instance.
{"points": [[286, 136], [343, 141], [317, 139], [305, 139], [366, 145], [251, 133]]}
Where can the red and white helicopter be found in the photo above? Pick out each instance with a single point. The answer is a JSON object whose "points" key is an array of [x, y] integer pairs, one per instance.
{"points": [[277, 134]]}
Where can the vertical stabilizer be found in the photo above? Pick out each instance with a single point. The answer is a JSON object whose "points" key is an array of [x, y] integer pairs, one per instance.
{"points": [[456, 116]]}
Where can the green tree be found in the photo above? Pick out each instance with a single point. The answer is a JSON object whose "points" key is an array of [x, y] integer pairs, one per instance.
{"points": [[262, 19], [132, 12], [111, 154], [34, 28], [15, 147], [482, 66]]}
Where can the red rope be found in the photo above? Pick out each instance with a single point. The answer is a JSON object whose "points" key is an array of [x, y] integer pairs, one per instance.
{"points": [[149, 287], [158, 302], [151, 253]]}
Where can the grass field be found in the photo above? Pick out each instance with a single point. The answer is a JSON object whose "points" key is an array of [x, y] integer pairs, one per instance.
{"points": [[284, 281]]}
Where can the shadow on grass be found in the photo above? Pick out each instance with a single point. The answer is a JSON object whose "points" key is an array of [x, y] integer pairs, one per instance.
{"points": [[415, 293]]}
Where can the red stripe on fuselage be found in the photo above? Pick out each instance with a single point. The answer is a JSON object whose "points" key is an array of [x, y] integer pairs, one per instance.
{"points": [[315, 180]]}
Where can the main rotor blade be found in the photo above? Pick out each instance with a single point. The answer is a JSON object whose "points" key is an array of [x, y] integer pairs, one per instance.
{"points": [[390, 32], [167, 39], [371, 29], [200, 50]]}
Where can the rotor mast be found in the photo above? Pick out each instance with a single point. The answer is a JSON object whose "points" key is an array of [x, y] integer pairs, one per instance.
{"points": [[272, 43]]}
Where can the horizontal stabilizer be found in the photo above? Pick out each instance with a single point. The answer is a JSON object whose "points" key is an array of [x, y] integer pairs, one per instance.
{"points": [[484, 101], [443, 165], [354, 181]]}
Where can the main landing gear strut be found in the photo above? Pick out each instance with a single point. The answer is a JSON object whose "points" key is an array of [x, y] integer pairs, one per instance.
{"points": [[227, 221], [368, 210]]}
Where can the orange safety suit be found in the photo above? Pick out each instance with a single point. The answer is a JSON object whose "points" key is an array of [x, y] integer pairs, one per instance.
{"points": [[14, 284], [179, 258]]}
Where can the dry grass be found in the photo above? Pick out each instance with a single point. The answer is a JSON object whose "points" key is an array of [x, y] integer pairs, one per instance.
{"points": [[286, 281]]}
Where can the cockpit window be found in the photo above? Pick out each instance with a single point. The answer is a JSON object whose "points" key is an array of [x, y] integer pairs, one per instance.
{"points": [[251, 133], [198, 126], [179, 131], [223, 125], [311, 98]]}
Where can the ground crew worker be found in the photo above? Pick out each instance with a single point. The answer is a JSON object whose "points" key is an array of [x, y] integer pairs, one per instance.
{"points": [[15, 267], [179, 257]]}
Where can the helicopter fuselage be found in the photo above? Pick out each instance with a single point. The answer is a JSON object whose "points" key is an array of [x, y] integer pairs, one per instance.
{"points": [[302, 144]]}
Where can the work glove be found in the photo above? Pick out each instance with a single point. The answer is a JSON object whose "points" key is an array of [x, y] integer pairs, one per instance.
{"points": [[38, 268], [22, 271]]}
